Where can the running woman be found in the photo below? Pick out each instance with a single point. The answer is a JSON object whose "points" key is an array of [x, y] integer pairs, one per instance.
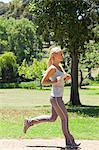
{"points": [[55, 75]]}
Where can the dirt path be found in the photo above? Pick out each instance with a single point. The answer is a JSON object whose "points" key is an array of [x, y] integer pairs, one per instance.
{"points": [[44, 144]]}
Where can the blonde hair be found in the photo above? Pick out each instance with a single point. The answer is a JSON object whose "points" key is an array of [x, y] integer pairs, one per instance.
{"points": [[53, 50]]}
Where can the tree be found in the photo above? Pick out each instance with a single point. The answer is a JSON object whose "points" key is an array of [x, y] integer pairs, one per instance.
{"points": [[90, 59], [14, 9], [33, 71], [19, 36], [70, 23], [8, 67], [3, 8], [39, 68], [3, 36], [24, 70], [23, 40]]}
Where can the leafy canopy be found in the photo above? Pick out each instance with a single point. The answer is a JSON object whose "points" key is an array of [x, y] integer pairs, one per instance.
{"points": [[68, 22]]}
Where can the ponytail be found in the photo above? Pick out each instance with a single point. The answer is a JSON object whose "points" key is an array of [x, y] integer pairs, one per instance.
{"points": [[49, 61]]}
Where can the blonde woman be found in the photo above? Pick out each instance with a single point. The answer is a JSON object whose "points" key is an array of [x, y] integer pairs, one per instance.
{"points": [[55, 75]]}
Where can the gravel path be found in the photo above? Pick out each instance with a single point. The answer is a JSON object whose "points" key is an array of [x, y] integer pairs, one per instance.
{"points": [[44, 144]]}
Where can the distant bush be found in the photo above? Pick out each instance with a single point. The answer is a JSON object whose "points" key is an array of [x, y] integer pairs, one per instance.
{"points": [[97, 78], [94, 82], [8, 85], [86, 82], [8, 67], [34, 71], [27, 85]]}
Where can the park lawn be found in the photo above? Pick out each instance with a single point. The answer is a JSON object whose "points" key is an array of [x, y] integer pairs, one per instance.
{"points": [[30, 98], [81, 125], [18, 104]]}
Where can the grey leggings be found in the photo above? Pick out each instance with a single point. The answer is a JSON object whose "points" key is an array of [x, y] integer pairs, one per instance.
{"points": [[58, 109]]}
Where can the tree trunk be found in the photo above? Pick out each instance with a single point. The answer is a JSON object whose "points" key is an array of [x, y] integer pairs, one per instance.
{"points": [[40, 84], [74, 96], [81, 78]]}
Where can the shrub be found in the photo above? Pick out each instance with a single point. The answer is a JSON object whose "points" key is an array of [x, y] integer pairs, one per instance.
{"points": [[28, 85], [8, 67], [97, 78], [8, 85], [86, 82]]}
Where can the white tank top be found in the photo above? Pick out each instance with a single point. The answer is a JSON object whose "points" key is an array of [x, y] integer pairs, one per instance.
{"points": [[57, 88]]}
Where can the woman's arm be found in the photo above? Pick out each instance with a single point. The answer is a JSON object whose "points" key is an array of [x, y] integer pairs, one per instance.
{"points": [[45, 80]]}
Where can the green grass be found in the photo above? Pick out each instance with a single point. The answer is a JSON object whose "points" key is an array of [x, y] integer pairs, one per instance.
{"points": [[82, 125], [17, 104], [94, 83], [29, 98]]}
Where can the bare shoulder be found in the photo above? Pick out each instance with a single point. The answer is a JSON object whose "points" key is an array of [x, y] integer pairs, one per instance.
{"points": [[51, 70]]}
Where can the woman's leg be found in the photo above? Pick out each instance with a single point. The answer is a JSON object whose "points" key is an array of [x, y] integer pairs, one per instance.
{"points": [[60, 109], [40, 119], [45, 118]]}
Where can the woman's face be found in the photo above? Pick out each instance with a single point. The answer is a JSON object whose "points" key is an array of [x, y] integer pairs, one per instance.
{"points": [[59, 56]]}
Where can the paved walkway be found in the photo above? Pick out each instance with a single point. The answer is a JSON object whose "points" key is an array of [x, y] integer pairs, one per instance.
{"points": [[88, 86], [44, 144]]}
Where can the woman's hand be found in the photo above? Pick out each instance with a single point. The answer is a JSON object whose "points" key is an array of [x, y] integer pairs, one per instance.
{"points": [[59, 78], [67, 77]]}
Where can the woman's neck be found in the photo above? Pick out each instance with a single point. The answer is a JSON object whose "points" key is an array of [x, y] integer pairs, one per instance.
{"points": [[56, 64]]}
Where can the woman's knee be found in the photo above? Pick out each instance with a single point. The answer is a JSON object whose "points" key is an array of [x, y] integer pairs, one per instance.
{"points": [[53, 118]]}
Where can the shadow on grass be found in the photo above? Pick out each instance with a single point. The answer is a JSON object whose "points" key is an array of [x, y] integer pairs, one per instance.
{"points": [[85, 110], [58, 147]]}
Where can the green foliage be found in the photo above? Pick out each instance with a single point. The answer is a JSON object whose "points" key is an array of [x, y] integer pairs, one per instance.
{"points": [[39, 68], [19, 36], [23, 40], [24, 85], [8, 67], [70, 21], [96, 31], [8, 85], [95, 82], [24, 70], [3, 35], [4, 7], [97, 78], [90, 59], [85, 82], [27, 85], [33, 71]]}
